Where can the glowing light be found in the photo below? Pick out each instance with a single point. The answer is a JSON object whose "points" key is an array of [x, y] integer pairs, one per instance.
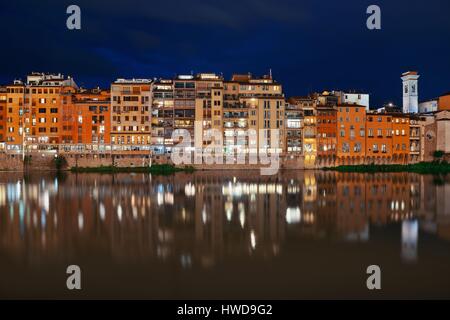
{"points": [[242, 218], [229, 210], [119, 212], [80, 221], [102, 211], [293, 215], [204, 215], [160, 198], [189, 190], [253, 239]]}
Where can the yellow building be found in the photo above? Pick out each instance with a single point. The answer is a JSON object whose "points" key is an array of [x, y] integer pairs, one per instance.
{"points": [[131, 114]]}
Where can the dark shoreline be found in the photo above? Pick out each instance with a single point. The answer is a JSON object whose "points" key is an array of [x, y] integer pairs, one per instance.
{"points": [[421, 168], [154, 169]]}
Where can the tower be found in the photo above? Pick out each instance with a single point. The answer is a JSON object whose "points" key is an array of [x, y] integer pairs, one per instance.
{"points": [[410, 92]]}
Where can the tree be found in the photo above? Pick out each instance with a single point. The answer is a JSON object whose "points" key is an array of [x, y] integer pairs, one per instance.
{"points": [[438, 154]]}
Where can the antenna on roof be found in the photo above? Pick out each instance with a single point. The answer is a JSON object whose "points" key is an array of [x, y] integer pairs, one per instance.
{"points": [[270, 73]]}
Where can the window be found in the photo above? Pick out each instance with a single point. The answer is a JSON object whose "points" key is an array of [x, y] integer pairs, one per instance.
{"points": [[345, 147], [362, 132], [352, 133]]}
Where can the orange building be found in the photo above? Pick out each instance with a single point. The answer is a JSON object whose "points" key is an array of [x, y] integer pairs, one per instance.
{"points": [[3, 99], [378, 138], [351, 130], [326, 132], [34, 110], [14, 116], [444, 102], [400, 138], [92, 119]]}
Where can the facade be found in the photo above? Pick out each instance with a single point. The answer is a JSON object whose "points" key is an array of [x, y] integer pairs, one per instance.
{"points": [[163, 116], [294, 128], [34, 109], [130, 114], [400, 138], [362, 99], [329, 98], [379, 144], [209, 106], [428, 139], [184, 103], [444, 102], [308, 106], [410, 92], [91, 123], [197, 103], [351, 132], [262, 105], [3, 99], [443, 131], [326, 133], [429, 106], [415, 133]]}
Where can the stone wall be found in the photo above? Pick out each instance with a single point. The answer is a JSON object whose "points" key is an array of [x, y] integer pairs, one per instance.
{"points": [[46, 161], [9, 162], [98, 160]]}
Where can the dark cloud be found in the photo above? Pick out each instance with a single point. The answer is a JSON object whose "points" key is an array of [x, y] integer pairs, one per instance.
{"points": [[309, 45]]}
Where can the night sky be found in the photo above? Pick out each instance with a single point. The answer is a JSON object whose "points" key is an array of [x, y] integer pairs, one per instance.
{"points": [[309, 45]]}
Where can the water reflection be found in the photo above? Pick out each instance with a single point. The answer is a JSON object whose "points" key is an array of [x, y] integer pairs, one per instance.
{"points": [[202, 219]]}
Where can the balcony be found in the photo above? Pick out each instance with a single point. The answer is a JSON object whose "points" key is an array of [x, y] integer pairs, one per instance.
{"points": [[235, 115]]}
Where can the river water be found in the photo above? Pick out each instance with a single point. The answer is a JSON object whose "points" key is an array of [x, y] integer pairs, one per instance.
{"points": [[225, 234]]}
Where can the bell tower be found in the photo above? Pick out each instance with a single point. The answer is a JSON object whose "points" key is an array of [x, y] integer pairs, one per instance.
{"points": [[410, 92]]}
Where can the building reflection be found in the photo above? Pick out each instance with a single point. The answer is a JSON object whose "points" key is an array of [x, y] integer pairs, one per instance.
{"points": [[205, 218]]}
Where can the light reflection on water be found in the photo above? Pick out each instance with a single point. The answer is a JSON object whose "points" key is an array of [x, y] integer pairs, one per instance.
{"points": [[200, 220]]}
